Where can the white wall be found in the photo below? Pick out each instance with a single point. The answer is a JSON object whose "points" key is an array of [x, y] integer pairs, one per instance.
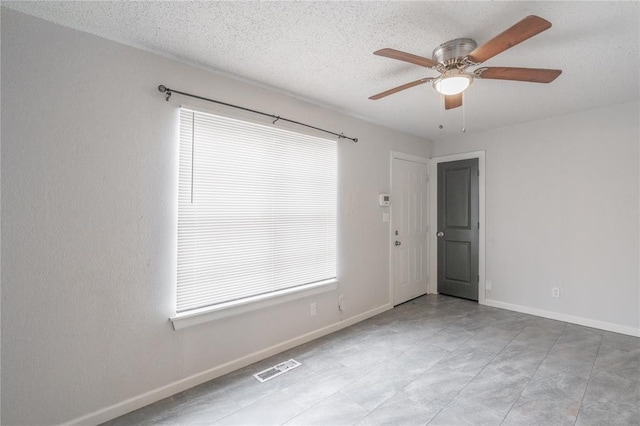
{"points": [[562, 210], [89, 206]]}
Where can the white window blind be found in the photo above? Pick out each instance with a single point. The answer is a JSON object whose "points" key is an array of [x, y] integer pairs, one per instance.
{"points": [[256, 210]]}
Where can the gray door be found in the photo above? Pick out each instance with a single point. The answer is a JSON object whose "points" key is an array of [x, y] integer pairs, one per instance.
{"points": [[458, 224]]}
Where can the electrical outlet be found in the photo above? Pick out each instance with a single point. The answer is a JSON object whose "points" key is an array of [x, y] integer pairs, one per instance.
{"points": [[341, 302], [314, 309], [555, 292], [488, 285]]}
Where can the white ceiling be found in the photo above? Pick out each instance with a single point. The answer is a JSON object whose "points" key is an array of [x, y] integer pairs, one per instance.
{"points": [[322, 52]]}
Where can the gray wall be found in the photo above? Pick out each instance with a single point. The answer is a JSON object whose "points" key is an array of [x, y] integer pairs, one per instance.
{"points": [[562, 210], [89, 214]]}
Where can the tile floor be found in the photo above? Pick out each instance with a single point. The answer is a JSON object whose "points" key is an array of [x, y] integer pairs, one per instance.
{"points": [[435, 360]]}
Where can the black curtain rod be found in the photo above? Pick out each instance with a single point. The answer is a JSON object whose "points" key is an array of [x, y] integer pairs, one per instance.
{"points": [[169, 92]]}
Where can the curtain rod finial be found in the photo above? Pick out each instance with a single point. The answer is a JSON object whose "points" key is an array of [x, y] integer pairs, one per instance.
{"points": [[164, 89]]}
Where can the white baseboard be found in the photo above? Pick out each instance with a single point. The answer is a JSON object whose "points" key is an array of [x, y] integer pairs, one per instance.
{"points": [[150, 397], [587, 322]]}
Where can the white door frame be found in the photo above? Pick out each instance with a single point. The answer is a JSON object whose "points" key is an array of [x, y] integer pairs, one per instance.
{"points": [[395, 155], [433, 219]]}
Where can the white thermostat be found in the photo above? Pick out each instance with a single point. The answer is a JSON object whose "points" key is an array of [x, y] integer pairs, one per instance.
{"points": [[384, 200]]}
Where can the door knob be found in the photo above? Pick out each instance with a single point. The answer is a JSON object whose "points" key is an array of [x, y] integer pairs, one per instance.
{"points": [[440, 234], [398, 243]]}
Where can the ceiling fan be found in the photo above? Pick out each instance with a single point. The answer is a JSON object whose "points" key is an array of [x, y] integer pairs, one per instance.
{"points": [[452, 58]]}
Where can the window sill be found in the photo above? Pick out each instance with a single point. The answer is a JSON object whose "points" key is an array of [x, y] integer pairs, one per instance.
{"points": [[236, 307]]}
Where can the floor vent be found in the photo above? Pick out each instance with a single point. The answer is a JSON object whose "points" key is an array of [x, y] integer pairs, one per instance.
{"points": [[276, 370]]}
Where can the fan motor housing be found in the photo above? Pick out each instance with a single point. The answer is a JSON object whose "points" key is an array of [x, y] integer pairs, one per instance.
{"points": [[453, 50]]}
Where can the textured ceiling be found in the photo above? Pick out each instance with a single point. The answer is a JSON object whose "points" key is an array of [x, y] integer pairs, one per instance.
{"points": [[322, 52]]}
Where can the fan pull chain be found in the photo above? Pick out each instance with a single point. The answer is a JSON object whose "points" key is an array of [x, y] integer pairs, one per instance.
{"points": [[464, 118], [441, 112]]}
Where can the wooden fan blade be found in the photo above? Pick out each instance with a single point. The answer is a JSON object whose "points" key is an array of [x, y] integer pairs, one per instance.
{"points": [[453, 101], [523, 30], [399, 88], [533, 75], [407, 57]]}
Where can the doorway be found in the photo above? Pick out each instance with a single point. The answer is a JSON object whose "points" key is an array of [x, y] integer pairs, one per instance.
{"points": [[409, 227], [458, 241], [458, 228]]}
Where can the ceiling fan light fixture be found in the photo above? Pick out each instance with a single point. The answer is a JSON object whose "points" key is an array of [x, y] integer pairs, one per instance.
{"points": [[452, 82], [452, 58]]}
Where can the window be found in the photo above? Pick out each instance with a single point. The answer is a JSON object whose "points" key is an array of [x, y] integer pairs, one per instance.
{"points": [[256, 210]]}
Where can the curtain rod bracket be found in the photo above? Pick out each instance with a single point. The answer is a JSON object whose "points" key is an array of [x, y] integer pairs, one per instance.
{"points": [[164, 89]]}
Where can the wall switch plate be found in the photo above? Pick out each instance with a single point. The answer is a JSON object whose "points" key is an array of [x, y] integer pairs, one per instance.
{"points": [[314, 309], [555, 292], [488, 285], [385, 217]]}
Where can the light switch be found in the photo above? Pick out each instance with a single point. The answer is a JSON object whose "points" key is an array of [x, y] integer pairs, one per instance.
{"points": [[385, 217]]}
